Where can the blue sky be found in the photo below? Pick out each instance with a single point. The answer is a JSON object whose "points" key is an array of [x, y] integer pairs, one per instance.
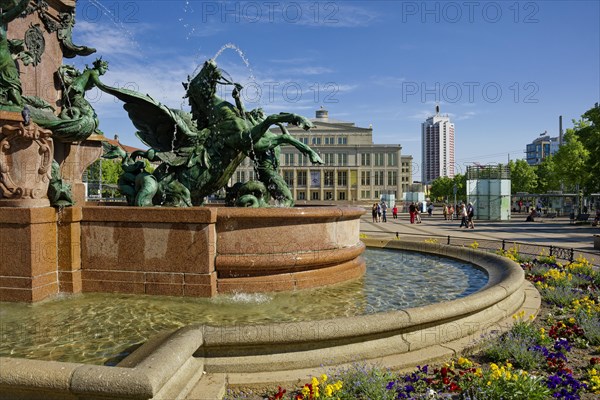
{"points": [[503, 70]]}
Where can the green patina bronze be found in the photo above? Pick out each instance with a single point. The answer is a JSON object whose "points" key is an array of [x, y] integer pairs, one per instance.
{"points": [[59, 192], [10, 82], [77, 119], [199, 151]]}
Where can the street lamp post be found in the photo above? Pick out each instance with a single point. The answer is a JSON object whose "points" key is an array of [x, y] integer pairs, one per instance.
{"points": [[454, 190]]}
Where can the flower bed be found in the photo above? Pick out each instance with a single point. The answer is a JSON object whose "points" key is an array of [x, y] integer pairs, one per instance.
{"points": [[555, 356]]}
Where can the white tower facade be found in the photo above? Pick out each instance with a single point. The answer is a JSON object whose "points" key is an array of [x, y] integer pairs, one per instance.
{"points": [[437, 147]]}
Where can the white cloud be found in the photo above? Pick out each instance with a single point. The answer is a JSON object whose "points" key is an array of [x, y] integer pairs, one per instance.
{"points": [[108, 42]]}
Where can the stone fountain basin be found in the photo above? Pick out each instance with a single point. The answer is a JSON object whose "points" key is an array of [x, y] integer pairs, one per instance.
{"points": [[189, 360]]}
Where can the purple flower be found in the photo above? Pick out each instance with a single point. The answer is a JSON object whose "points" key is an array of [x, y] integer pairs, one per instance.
{"points": [[565, 386]]}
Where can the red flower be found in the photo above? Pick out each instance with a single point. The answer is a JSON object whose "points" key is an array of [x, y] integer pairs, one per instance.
{"points": [[279, 394]]}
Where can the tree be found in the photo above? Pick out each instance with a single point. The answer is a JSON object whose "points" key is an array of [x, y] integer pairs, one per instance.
{"points": [[572, 161], [522, 176], [460, 181], [441, 188], [588, 132], [547, 175]]}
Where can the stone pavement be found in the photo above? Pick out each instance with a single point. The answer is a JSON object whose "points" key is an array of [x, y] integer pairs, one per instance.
{"points": [[556, 232]]}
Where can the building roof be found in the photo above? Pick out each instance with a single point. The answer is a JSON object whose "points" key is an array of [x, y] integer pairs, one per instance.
{"points": [[115, 142]]}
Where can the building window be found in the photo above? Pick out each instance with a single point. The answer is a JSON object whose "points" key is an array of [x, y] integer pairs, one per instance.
{"points": [[379, 178], [251, 175], [288, 177], [365, 159], [304, 140], [342, 177], [379, 159], [341, 195], [376, 194], [316, 141], [302, 195], [288, 159], [392, 159], [342, 140], [302, 159], [365, 194], [328, 178], [240, 176], [314, 196], [342, 159], [328, 195], [301, 178], [365, 178], [328, 159], [392, 178]]}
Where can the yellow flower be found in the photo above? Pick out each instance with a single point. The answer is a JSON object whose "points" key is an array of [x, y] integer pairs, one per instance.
{"points": [[328, 390], [464, 362], [305, 391], [314, 381]]}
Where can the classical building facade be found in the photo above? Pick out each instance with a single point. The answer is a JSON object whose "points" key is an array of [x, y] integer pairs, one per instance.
{"points": [[437, 146], [355, 168]]}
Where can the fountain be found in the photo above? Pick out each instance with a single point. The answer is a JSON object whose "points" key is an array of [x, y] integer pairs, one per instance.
{"points": [[165, 243]]}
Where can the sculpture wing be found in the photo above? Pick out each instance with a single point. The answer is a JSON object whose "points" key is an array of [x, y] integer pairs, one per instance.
{"points": [[158, 126]]}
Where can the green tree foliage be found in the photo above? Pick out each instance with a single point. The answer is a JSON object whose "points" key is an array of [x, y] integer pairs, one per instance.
{"points": [[460, 181], [441, 188], [547, 176], [572, 161], [111, 169], [522, 176], [588, 132]]}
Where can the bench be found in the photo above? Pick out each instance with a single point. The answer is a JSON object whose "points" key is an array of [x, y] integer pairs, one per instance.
{"points": [[580, 218]]}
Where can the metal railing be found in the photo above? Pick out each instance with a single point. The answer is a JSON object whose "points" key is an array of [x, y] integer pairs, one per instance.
{"points": [[525, 249]]}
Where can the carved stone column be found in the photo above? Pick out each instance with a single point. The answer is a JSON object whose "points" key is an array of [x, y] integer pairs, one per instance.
{"points": [[26, 154]]}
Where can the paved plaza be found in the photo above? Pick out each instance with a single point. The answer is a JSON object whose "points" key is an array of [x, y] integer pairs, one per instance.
{"points": [[545, 232]]}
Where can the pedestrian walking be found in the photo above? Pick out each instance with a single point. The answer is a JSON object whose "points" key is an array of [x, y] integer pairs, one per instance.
{"points": [[470, 215], [430, 209], [384, 208], [445, 212], [378, 213], [463, 216], [374, 212], [411, 211], [395, 212]]}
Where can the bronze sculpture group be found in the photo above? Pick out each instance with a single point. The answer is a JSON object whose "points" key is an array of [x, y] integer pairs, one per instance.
{"points": [[198, 151]]}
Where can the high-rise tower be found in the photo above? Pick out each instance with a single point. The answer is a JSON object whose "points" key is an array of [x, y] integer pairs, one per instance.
{"points": [[437, 147]]}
